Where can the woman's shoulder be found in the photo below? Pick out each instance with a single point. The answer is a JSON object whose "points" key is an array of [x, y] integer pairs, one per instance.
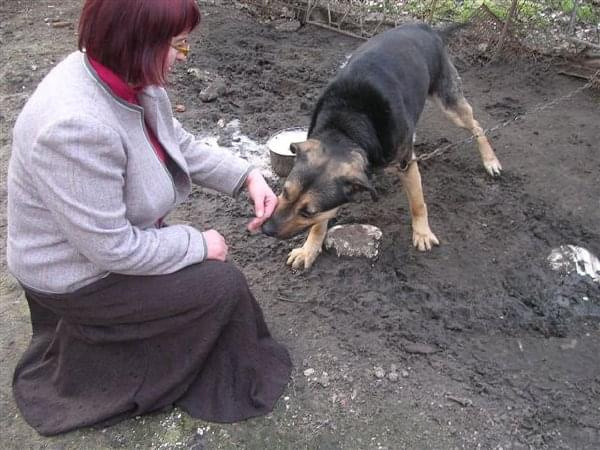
{"points": [[68, 71], [66, 86], [64, 105], [71, 94]]}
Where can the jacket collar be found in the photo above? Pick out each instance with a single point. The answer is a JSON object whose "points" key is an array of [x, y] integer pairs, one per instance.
{"points": [[146, 96], [117, 85], [153, 103]]}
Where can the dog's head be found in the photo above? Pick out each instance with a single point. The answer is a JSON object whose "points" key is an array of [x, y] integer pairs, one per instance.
{"points": [[323, 178]]}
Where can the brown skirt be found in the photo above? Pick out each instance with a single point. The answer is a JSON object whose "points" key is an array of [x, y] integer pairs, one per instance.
{"points": [[128, 345]]}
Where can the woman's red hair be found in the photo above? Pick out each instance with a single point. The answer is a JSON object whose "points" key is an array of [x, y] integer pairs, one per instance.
{"points": [[132, 37]]}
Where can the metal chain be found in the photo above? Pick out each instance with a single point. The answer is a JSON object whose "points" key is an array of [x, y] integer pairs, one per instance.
{"points": [[536, 109]]}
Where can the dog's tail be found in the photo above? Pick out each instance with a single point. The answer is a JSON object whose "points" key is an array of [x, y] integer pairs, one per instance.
{"points": [[447, 31]]}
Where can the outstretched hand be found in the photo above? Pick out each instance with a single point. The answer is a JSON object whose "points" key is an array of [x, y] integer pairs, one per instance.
{"points": [[263, 198]]}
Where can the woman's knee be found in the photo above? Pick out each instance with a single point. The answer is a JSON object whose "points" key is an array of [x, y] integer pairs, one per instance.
{"points": [[226, 279]]}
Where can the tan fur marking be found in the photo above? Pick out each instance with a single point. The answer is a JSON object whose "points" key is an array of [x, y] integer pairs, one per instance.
{"points": [[462, 116], [316, 235], [355, 166], [293, 189], [298, 223], [423, 237], [314, 152], [305, 256]]}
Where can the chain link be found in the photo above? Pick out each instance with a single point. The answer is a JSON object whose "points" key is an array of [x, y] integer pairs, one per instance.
{"points": [[536, 109]]}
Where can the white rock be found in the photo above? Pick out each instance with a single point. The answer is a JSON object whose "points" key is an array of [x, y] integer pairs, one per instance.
{"points": [[354, 240], [288, 26], [379, 372], [324, 380], [308, 372], [570, 258]]}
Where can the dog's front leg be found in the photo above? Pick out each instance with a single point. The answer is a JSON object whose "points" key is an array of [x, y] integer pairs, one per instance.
{"points": [[305, 256], [423, 237]]}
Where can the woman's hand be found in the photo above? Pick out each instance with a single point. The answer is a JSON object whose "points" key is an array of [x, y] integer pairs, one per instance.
{"points": [[216, 247], [263, 197]]}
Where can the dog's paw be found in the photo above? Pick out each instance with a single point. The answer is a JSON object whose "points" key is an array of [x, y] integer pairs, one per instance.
{"points": [[493, 167], [302, 258], [424, 240]]}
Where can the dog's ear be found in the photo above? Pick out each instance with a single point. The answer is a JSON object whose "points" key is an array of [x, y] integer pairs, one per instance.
{"points": [[354, 185], [306, 146], [295, 147]]}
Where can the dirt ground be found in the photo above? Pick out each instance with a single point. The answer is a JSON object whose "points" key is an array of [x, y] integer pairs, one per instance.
{"points": [[490, 348]]}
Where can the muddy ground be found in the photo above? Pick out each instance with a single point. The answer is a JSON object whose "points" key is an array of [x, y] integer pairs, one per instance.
{"points": [[492, 348]]}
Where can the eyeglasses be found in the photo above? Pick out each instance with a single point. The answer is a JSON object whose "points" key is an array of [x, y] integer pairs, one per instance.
{"points": [[183, 48]]}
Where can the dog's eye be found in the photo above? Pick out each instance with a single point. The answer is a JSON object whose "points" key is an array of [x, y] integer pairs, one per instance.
{"points": [[304, 212]]}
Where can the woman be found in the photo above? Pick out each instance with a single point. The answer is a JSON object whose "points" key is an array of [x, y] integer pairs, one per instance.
{"points": [[129, 315]]}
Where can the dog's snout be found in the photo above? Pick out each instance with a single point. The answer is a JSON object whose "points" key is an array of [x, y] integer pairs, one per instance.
{"points": [[268, 228]]}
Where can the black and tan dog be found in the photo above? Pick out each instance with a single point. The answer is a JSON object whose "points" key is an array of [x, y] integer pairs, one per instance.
{"points": [[365, 119]]}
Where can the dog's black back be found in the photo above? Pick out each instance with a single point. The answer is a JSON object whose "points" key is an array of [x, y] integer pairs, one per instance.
{"points": [[377, 98]]}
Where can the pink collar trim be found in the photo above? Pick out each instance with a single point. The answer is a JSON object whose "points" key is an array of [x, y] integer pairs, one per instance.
{"points": [[116, 84]]}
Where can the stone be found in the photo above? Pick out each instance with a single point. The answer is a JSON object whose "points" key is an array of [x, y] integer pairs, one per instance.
{"points": [[198, 74], [379, 372], [422, 349], [288, 26], [213, 91], [571, 258], [324, 379], [354, 240]]}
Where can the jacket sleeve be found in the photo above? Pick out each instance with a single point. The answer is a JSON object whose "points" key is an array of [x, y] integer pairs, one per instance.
{"points": [[79, 172], [214, 168]]}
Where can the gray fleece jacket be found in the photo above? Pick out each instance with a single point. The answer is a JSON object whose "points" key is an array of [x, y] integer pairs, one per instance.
{"points": [[86, 188]]}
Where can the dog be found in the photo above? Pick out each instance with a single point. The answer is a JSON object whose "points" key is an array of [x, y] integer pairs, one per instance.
{"points": [[364, 120]]}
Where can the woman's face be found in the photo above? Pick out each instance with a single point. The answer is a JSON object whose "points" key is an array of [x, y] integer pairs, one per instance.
{"points": [[177, 50]]}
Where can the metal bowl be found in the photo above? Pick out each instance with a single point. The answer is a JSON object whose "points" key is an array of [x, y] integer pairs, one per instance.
{"points": [[282, 159]]}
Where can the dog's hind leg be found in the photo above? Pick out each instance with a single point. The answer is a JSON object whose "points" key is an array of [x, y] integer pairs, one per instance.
{"points": [[423, 237], [451, 100]]}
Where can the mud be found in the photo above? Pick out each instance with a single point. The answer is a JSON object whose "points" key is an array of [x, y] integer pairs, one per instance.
{"points": [[490, 347]]}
